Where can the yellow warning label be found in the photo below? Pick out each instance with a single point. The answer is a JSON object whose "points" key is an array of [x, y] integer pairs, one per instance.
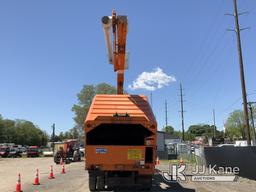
{"points": [[134, 154]]}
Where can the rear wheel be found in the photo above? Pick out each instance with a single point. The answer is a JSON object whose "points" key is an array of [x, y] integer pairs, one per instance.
{"points": [[145, 182], [56, 159], [67, 161], [149, 184], [92, 183], [100, 184]]}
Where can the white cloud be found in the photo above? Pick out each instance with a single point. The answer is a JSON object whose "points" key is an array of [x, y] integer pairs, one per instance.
{"points": [[152, 80]]}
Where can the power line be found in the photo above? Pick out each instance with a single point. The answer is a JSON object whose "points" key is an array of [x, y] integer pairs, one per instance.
{"points": [[236, 101], [219, 70], [206, 65], [213, 27], [206, 58]]}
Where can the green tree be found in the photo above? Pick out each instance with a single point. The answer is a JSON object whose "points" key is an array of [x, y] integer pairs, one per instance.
{"points": [[85, 97], [200, 130], [67, 135], [29, 134], [74, 132], [234, 126], [169, 129], [21, 132], [188, 136], [177, 134], [44, 138], [2, 130], [61, 136], [9, 131]]}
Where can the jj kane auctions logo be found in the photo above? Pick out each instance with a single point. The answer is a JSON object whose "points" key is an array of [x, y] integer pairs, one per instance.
{"points": [[201, 173]]}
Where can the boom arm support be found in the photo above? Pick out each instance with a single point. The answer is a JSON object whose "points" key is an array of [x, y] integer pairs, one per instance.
{"points": [[116, 51]]}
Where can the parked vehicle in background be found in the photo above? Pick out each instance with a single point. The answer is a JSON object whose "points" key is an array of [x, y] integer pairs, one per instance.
{"points": [[33, 151], [226, 145], [67, 151], [6, 144], [14, 152], [23, 149], [47, 152], [4, 151], [81, 149]]}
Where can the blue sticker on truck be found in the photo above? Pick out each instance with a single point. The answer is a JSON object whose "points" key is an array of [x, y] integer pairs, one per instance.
{"points": [[101, 150]]}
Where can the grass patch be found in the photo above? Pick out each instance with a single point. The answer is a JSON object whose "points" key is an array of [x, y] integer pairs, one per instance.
{"points": [[191, 160]]}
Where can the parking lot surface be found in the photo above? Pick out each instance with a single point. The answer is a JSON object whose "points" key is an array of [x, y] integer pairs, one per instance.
{"points": [[76, 178]]}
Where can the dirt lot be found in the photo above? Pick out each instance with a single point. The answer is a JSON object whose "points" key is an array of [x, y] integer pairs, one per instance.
{"points": [[76, 179]]}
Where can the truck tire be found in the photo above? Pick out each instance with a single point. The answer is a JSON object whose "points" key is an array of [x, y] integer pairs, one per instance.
{"points": [[92, 183], [67, 161], [149, 184], [56, 159], [146, 182], [76, 156], [100, 184]]}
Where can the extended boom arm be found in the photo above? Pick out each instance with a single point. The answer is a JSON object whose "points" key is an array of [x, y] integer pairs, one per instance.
{"points": [[116, 50]]}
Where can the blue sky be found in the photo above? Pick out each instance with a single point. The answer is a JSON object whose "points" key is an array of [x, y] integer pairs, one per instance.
{"points": [[49, 49]]}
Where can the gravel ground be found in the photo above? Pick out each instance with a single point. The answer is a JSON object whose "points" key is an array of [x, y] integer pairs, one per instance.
{"points": [[241, 185], [76, 179]]}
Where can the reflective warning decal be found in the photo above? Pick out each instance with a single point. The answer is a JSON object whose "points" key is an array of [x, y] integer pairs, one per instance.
{"points": [[134, 154], [101, 150]]}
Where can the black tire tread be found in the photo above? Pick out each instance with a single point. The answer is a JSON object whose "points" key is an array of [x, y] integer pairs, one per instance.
{"points": [[92, 183]]}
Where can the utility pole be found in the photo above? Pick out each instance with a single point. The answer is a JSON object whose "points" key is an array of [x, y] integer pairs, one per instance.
{"points": [[166, 118], [214, 124], [241, 65], [252, 122], [182, 113], [53, 135]]}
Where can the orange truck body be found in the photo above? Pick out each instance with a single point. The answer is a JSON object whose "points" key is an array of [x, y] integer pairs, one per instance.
{"points": [[120, 137]]}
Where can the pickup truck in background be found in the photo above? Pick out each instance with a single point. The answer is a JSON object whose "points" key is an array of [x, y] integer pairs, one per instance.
{"points": [[33, 151]]}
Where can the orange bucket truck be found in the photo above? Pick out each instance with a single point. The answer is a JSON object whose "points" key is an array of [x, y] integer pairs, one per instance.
{"points": [[120, 130]]}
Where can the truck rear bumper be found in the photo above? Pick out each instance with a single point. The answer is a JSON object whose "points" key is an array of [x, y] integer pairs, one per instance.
{"points": [[140, 170], [112, 179]]}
